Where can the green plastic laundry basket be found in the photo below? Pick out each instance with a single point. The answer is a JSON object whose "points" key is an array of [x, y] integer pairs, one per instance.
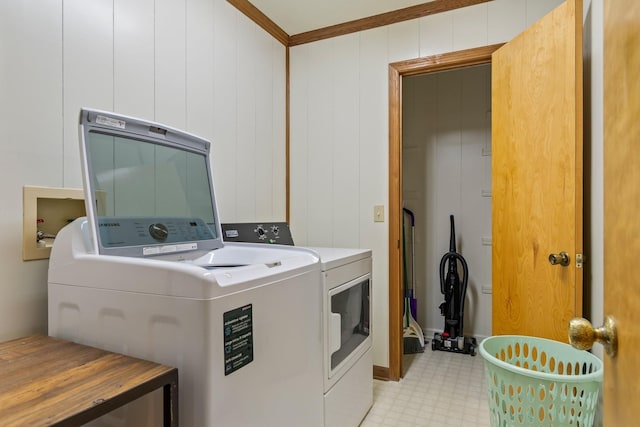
{"points": [[538, 382]]}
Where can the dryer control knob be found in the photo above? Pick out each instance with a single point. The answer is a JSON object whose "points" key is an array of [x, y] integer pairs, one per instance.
{"points": [[262, 234]]}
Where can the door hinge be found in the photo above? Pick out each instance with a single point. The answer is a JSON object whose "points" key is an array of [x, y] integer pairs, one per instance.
{"points": [[580, 259]]}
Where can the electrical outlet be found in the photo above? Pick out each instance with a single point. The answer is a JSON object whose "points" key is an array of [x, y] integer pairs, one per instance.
{"points": [[378, 213]]}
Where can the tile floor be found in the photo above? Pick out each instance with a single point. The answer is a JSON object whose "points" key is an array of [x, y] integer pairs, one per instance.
{"points": [[438, 389]]}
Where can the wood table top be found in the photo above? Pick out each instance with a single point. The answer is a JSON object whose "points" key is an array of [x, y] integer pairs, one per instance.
{"points": [[46, 381]]}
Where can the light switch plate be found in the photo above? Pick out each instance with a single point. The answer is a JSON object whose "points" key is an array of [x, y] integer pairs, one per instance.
{"points": [[378, 213]]}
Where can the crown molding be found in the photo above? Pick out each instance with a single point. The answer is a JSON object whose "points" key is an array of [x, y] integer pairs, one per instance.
{"points": [[400, 15], [388, 18], [261, 19]]}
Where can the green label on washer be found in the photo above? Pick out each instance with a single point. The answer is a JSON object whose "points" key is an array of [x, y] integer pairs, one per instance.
{"points": [[238, 338]]}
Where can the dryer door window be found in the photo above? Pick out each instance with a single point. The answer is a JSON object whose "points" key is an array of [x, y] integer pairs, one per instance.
{"points": [[349, 319]]}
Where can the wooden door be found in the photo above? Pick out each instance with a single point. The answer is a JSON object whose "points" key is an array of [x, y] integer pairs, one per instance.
{"points": [[537, 176], [622, 206]]}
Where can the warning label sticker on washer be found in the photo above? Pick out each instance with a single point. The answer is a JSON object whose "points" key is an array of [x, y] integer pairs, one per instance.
{"points": [[108, 121], [238, 338]]}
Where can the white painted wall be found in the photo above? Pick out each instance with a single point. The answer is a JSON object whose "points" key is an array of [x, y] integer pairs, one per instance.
{"points": [[339, 126], [446, 137], [198, 65]]}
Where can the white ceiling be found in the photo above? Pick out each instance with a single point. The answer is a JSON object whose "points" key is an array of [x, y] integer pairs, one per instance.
{"points": [[299, 16]]}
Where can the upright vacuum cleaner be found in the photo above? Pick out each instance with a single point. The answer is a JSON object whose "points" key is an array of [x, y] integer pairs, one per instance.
{"points": [[454, 290]]}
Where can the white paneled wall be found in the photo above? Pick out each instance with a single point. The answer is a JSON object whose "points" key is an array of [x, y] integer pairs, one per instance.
{"points": [[447, 170], [133, 57], [345, 146], [316, 131], [31, 148], [87, 72], [199, 65]]}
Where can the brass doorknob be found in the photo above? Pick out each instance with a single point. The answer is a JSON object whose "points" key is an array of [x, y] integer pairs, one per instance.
{"points": [[562, 259], [582, 334]]}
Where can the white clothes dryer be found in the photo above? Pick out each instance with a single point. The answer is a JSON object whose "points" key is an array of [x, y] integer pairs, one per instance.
{"points": [[147, 274], [348, 358], [346, 308]]}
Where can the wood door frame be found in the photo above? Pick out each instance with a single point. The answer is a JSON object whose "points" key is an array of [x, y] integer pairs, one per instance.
{"points": [[398, 70]]}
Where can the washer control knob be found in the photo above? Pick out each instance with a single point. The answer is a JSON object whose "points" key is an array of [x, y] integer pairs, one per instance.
{"points": [[275, 229], [159, 232]]}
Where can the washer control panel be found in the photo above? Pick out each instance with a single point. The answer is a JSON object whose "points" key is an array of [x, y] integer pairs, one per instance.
{"points": [[140, 231], [258, 232]]}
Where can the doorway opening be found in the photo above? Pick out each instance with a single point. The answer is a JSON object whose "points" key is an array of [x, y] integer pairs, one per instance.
{"points": [[398, 71]]}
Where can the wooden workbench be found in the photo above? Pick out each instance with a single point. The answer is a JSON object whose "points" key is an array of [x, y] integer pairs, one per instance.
{"points": [[47, 381]]}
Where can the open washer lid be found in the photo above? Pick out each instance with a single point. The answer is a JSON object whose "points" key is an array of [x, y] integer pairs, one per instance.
{"points": [[148, 187]]}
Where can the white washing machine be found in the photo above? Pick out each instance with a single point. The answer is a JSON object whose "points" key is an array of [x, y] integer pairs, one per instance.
{"points": [[346, 302], [147, 274]]}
